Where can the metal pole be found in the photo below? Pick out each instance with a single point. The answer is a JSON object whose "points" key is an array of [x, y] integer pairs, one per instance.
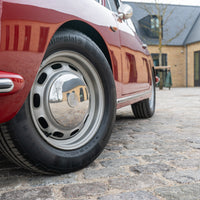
{"points": [[186, 66]]}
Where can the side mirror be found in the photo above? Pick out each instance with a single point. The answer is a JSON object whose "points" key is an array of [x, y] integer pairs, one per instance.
{"points": [[125, 11]]}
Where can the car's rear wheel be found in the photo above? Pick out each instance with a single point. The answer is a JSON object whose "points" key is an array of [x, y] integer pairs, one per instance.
{"points": [[146, 108], [67, 118]]}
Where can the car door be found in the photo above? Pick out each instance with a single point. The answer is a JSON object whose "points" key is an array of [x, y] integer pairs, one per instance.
{"points": [[135, 66]]}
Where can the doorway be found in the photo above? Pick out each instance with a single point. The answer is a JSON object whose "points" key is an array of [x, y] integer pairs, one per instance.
{"points": [[197, 68]]}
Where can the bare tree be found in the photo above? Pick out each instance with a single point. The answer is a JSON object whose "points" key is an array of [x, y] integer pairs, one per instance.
{"points": [[160, 13]]}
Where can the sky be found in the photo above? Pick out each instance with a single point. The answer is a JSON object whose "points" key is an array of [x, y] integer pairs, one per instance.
{"points": [[182, 2]]}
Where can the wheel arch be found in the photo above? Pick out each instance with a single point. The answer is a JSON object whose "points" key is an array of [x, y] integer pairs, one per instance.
{"points": [[91, 33]]}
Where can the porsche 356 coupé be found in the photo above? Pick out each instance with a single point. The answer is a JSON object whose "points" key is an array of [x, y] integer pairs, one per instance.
{"points": [[65, 67]]}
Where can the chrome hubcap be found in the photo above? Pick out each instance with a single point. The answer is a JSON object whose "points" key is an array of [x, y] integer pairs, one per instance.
{"points": [[67, 100]]}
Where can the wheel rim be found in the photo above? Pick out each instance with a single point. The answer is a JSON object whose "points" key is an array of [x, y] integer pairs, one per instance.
{"points": [[67, 100], [152, 98]]}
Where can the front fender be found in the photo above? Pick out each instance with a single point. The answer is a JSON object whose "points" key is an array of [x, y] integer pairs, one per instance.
{"points": [[26, 30]]}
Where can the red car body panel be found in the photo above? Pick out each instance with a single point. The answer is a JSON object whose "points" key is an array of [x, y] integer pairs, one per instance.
{"points": [[27, 28]]}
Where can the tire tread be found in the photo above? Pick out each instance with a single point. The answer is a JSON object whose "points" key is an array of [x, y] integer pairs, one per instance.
{"points": [[10, 151]]}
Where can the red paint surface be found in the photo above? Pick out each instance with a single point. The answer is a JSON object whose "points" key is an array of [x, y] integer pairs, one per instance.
{"points": [[27, 28], [16, 39], [27, 38], [7, 37], [44, 32]]}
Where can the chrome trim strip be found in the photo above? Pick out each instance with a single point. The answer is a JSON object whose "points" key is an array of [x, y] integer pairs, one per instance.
{"points": [[6, 85], [132, 97]]}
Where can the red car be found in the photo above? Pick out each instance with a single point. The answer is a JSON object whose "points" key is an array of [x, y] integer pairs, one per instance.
{"points": [[65, 66]]}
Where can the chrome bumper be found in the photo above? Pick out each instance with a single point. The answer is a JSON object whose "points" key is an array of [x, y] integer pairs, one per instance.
{"points": [[6, 85], [10, 83]]}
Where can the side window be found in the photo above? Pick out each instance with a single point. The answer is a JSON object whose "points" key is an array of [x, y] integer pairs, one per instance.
{"points": [[108, 4], [111, 5], [99, 1]]}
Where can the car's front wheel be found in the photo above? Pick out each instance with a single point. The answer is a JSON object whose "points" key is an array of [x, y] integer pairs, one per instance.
{"points": [[67, 118]]}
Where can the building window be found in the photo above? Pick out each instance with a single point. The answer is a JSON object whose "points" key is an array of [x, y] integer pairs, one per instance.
{"points": [[111, 5], [154, 27], [150, 24], [155, 57]]}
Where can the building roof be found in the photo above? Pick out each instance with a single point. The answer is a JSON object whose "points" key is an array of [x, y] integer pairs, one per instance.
{"points": [[194, 35], [72, 84], [182, 25]]}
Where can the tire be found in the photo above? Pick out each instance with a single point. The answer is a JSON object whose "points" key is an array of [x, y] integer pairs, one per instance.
{"points": [[146, 108], [67, 118]]}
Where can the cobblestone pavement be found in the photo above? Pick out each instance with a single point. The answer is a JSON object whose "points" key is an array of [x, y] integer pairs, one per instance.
{"points": [[157, 158]]}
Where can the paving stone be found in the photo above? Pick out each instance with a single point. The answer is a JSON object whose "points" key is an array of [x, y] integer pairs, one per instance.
{"points": [[139, 195], [120, 162], [187, 163], [163, 158], [141, 144], [175, 147], [150, 168], [51, 180], [195, 146], [135, 182], [79, 190], [138, 152], [113, 146], [184, 192], [23, 178], [108, 155], [184, 176], [104, 172], [94, 165], [194, 140], [43, 193]]}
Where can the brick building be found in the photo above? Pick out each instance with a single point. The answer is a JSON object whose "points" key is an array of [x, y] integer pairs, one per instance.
{"points": [[182, 23]]}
